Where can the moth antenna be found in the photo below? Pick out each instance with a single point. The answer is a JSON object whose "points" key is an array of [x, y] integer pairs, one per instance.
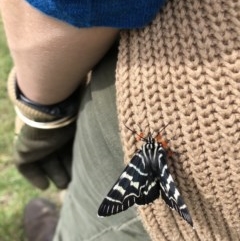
{"points": [[134, 132], [162, 129]]}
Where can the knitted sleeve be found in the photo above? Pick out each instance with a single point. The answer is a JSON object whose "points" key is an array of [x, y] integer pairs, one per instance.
{"points": [[183, 71], [87, 13]]}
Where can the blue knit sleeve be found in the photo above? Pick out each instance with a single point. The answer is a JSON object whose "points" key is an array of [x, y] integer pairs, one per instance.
{"points": [[108, 13]]}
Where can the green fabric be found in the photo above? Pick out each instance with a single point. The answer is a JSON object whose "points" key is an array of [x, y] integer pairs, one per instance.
{"points": [[43, 155], [97, 163]]}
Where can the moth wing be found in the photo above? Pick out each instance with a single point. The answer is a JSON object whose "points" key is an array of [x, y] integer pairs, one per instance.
{"points": [[134, 185], [170, 193]]}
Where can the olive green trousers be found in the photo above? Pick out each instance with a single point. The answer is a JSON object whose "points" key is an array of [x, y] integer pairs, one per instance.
{"points": [[97, 163]]}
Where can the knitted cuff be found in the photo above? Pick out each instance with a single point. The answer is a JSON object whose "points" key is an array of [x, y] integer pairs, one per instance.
{"points": [[35, 115]]}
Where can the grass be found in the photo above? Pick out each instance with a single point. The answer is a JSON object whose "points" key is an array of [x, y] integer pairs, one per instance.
{"points": [[6, 110], [15, 191]]}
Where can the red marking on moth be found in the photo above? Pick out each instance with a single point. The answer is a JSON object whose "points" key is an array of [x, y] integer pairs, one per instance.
{"points": [[140, 136], [164, 144]]}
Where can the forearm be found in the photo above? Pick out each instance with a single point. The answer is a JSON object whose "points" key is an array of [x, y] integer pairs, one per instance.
{"points": [[51, 57]]}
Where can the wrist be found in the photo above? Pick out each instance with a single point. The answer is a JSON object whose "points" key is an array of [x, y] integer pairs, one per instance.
{"points": [[42, 116], [67, 107]]}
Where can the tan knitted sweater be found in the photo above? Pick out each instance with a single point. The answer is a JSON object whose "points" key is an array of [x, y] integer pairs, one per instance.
{"points": [[184, 69]]}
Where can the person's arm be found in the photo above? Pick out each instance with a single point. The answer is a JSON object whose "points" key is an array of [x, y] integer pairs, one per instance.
{"points": [[51, 59], [50, 56]]}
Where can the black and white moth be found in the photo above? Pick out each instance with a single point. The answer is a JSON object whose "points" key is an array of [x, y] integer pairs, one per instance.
{"points": [[144, 179]]}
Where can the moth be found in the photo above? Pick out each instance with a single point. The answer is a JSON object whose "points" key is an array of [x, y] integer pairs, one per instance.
{"points": [[143, 180]]}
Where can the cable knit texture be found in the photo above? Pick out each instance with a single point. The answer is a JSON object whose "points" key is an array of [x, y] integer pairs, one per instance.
{"points": [[184, 69]]}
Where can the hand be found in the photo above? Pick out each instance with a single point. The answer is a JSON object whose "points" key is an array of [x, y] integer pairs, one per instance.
{"points": [[42, 156], [43, 143]]}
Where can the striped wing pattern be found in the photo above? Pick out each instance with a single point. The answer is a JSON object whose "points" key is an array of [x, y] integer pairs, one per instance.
{"points": [[170, 193], [144, 179], [133, 187]]}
